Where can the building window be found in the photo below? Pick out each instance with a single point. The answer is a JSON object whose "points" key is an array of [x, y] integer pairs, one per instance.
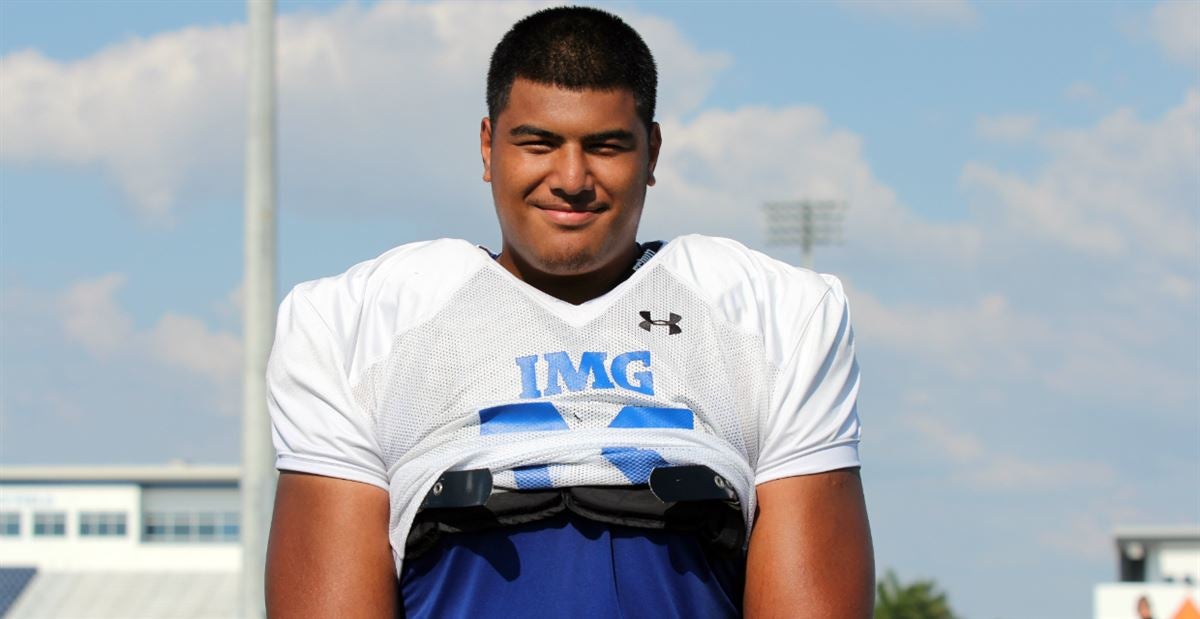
{"points": [[154, 527], [181, 527], [202, 527], [206, 526], [50, 524], [229, 526], [102, 524], [10, 524]]}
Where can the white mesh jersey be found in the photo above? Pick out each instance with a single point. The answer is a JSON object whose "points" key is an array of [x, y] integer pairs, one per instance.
{"points": [[433, 357]]}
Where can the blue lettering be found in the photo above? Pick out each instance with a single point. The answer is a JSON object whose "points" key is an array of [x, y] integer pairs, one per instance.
{"points": [[562, 373], [620, 372], [528, 367], [560, 367]]}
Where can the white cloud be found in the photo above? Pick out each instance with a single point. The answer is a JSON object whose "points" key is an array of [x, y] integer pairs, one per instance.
{"points": [[1122, 186], [1007, 472], [965, 341], [1081, 91], [1090, 360], [924, 12], [959, 445], [1087, 276], [1182, 288], [1175, 26], [686, 75], [975, 464], [1086, 535], [717, 170], [1042, 210], [163, 115], [378, 105], [1012, 128], [1122, 191], [92, 317], [230, 308], [187, 343], [144, 110]]}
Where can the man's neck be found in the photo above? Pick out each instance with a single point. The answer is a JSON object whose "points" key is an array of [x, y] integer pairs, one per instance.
{"points": [[575, 288]]}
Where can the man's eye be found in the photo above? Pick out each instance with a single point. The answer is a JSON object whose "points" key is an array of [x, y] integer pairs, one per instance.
{"points": [[608, 149], [536, 145]]}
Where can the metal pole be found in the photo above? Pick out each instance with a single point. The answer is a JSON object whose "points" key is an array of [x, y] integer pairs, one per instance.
{"points": [[258, 466]]}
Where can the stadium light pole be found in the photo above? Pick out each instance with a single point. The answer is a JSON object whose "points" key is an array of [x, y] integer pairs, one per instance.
{"points": [[805, 224], [258, 469]]}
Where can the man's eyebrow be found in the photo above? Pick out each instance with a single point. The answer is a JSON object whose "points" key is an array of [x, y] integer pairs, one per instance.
{"points": [[603, 136], [531, 130], [612, 134]]}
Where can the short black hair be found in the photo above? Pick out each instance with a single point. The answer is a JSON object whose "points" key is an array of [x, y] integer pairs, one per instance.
{"points": [[574, 47]]}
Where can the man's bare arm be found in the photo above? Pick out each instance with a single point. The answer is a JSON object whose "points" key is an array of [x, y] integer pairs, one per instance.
{"points": [[328, 554], [810, 552]]}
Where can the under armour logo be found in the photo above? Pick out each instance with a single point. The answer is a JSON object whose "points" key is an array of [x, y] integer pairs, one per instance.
{"points": [[672, 324]]}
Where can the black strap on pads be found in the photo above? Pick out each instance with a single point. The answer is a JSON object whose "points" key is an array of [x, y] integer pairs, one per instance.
{"points": [[691, 499], [694, 482], [459, 489], [502, 509], [718, 524]]}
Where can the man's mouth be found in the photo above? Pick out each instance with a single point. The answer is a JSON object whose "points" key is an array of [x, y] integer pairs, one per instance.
{"points": [[570, 216]]}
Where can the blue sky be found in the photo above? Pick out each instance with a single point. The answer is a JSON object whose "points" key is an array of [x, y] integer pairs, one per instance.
{"points": [[1022, 245]]}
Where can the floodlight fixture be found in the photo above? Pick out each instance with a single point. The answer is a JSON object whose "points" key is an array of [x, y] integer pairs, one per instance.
{"points": [[805, 224]]}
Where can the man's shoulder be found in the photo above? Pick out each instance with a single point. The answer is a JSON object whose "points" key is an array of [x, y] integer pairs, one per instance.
{"points": [[408, 280], [422, 260], [724, 266], [751, 290]]}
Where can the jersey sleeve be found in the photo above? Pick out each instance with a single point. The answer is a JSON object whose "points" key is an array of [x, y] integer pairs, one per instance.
{"points": [[317, 425], [812, 424]]}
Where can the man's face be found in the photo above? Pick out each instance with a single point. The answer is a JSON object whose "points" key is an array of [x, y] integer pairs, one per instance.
{"points": [[569, 171]]}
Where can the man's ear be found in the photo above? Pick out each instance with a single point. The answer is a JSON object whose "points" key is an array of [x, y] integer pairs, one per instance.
{"points": [[655, 146], [485, 147]]}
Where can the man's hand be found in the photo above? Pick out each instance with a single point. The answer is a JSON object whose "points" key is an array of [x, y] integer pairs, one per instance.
{"points": [[328, 554], [810, 551]]}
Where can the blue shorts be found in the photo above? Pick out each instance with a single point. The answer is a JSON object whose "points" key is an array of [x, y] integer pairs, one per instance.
{"points": [[569, 566]]}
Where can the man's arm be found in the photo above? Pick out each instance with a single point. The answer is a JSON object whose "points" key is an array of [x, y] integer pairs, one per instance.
{"points": [[329, 554], [810, 551]]}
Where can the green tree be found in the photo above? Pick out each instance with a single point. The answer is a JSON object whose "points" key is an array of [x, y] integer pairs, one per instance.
{"points": [[918, 600]]}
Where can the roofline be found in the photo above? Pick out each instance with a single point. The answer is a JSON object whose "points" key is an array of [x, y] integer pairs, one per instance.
{"points": [[1158, 533], [168, 473]]}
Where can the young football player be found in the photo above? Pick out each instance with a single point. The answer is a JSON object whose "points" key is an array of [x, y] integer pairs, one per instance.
{"points": [[580, 425]]}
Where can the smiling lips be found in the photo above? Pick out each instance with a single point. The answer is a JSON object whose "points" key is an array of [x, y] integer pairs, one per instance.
{"points": [[567, 216]]}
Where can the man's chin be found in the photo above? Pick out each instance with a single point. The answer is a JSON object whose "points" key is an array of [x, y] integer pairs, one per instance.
{"points": [[574, 261]]}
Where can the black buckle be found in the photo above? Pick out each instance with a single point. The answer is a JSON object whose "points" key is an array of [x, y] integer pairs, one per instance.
{"points": [[456, 489], [693, 482]]}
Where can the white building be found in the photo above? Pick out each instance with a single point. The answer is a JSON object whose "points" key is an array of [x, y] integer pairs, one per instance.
{"points": [[1159, 564], [124, 542]]}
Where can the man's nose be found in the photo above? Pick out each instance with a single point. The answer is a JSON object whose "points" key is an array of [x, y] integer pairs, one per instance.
{"points": [[572, 176]]}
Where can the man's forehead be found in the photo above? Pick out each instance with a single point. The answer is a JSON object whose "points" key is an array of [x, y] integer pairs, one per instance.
{"points": [[537, 104], [535, 84]]}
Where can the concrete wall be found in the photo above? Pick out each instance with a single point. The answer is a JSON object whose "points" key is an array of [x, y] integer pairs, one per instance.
{"points": [[124, 553], [1178, 561]]}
